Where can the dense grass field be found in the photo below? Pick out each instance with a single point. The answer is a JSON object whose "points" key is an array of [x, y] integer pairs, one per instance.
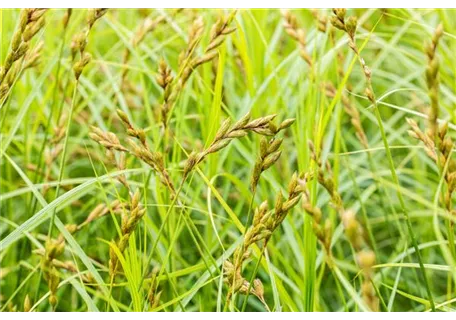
{"points": [[223, 160]]}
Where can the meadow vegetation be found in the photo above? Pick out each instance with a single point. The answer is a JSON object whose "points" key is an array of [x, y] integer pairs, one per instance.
{"points": [[227, 160]]}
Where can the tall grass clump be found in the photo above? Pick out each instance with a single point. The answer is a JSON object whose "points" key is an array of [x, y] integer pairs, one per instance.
{"points": [[227, 160]]}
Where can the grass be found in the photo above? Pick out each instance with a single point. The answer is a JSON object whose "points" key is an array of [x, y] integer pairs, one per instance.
{"points": [[227, 160]]}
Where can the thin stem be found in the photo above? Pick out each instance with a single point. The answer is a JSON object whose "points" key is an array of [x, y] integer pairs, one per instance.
{"points": [[33, 202], [398, 193], [160, 231], [63, 158], [252, 278], [249, 214]]}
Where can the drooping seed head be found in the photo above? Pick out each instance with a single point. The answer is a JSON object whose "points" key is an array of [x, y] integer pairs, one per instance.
{"points": [[366, 259], [258, 288], [351, 25], [27, 303], [335, 21], [271, 159], [286, 123], [274, 145], [340, 12]]}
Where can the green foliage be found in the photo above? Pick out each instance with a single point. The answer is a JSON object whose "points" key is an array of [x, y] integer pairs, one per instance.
{"points": [[209, 160]]}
